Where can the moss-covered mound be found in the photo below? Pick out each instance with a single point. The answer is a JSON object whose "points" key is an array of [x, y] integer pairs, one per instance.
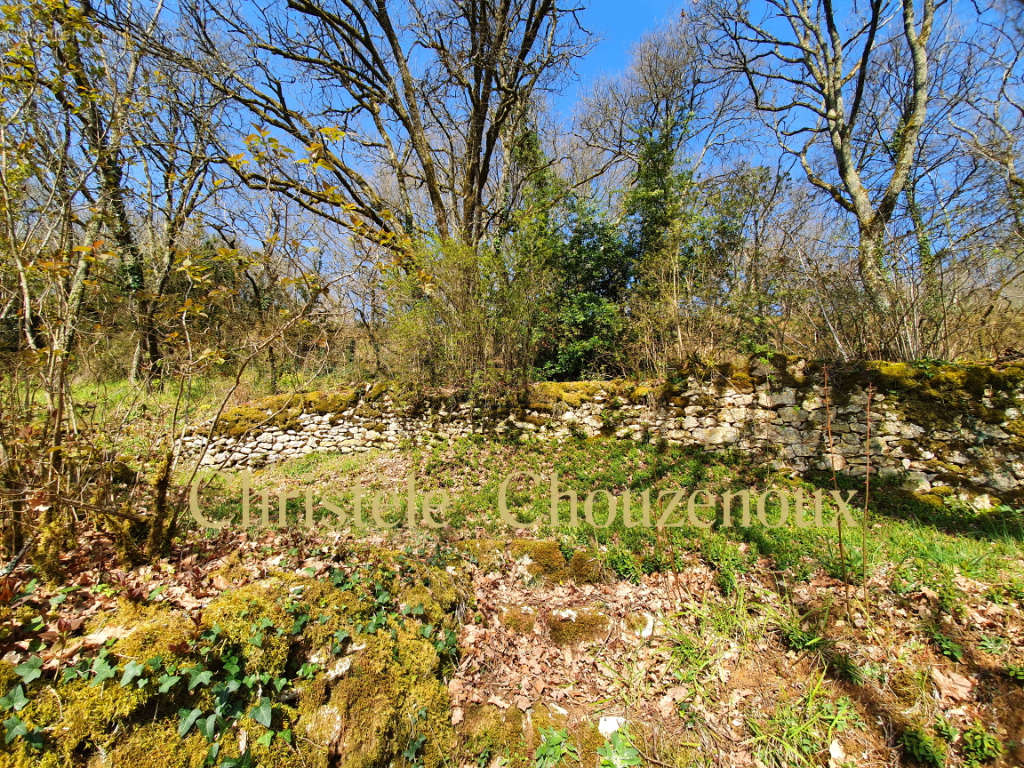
{"points": [[343, 670]]}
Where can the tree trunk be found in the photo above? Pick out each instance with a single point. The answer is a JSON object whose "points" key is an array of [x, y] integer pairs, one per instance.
{"points": [[870, 265]]}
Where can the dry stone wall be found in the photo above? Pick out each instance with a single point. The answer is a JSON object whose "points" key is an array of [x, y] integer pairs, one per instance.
{"points": [[934, 428]]}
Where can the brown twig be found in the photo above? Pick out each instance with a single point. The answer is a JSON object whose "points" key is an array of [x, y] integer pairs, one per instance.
{"points": [[835, 486], [867, 499]]}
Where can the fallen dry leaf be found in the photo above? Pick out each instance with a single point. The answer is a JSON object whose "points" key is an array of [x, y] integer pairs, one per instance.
{"points": [[952, 685]]}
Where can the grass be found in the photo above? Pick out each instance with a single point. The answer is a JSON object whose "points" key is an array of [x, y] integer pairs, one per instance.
{"points": [[911, 552], [799, 732]]}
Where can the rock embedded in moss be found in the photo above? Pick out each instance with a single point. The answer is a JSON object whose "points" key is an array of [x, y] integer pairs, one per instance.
{"points": [[542, 558], [520, 620], [586, 568], [491, 730], [392, 695], [570, 627]]}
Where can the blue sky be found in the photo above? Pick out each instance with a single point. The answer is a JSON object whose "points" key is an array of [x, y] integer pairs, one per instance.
{"points": [[617, 25]]}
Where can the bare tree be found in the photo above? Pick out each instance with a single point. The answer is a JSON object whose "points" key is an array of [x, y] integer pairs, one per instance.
{"points": [[670, 79], [808, 68], [389, 118]]}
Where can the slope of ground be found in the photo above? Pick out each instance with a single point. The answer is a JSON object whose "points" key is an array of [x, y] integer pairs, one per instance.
{"points": [[473, 644]]}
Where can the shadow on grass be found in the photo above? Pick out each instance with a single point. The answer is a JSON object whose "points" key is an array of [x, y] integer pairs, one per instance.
{"points": [[953, 517]]}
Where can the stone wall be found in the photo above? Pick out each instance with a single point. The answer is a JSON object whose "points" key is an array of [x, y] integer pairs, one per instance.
{"points": [[933, 427]]}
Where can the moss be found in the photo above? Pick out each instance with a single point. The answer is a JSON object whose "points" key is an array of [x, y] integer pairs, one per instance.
{"points": [[78, 714], [283, 411], [233, 572], [20, 755], [537, 421], [519, 620], [486, 553], [8, 677], [572, 393], [392, 694], [238, 613], [330, 402], [489, 731], [742, 382], [158, 744], [364, 715], [931, 499], [154, 630], [585, 568], [546, 558], [642, 393], [588, 740], [572, 630], [541, 717], [376, 392], [434, 611]]}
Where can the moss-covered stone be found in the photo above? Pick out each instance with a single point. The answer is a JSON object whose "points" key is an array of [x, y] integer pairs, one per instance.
{"points": [[392, 695], [545, 558], [573, 393], [935, 394], [368, 697], [283, 411], [155, 744], [572, 628], [486, 553], [488, 732], [255, 617], [519, 620], [586, 568], [78, 715], [152, 630]]}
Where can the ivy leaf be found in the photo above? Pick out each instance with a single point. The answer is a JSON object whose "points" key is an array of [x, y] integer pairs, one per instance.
{"points": [[413, 748], [30, 669], [187, 720], [212, 753], [102, 669], [13, 728], [262, 713], [15, 699], [265, 739], [339, 641], [208, 727], [131, 671], [619, 752], [199, 676], [232, 666], [167, 682]]}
